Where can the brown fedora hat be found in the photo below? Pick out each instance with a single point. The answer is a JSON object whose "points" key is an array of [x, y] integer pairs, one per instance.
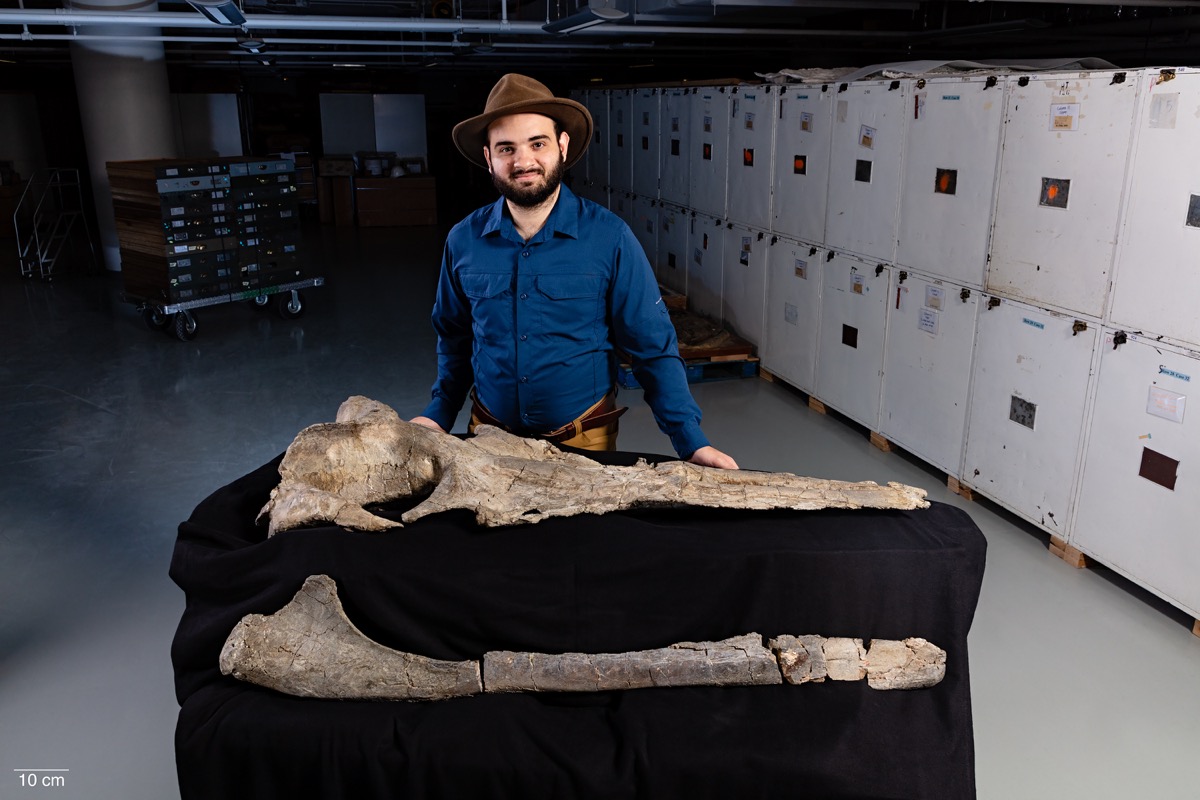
{"points": [[518, 94]]}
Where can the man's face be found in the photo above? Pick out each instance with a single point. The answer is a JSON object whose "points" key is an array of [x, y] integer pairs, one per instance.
{"points": [[526, 157]]}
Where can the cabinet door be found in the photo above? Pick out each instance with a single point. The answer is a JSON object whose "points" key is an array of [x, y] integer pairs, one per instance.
{"points": [[1028, 394], [671, 264], [864, 172], [1157, 278], [792, 311], [802, 152], [1139, 498], [644, 127], [595, 160], [620, 150], [744, 281], [853, 320], [709, 159], [952, 148], [751, 138], [675, 148], [707, 242], [927, 370], [645, 225], [1066, 145]]}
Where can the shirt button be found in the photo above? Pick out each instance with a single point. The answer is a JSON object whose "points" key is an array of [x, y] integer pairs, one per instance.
{"points": [[525, 254], [524, 380], [524, 296], [524, 337]]}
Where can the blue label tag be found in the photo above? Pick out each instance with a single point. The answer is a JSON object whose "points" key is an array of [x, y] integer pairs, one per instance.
{"points": [[1173, 374], [1041, 326], [950, 97]]}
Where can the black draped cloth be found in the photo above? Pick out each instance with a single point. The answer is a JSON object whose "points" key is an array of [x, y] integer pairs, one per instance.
{"points": [[446, 588]]}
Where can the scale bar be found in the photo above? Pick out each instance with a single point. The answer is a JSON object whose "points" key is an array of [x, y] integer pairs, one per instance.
{"points": [[41, 770]]}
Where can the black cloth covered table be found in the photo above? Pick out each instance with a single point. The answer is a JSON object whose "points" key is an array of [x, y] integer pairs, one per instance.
{"points": [[448, 589]]}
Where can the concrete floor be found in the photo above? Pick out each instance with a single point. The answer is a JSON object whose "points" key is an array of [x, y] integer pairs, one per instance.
{"points": [[1083, 685]]}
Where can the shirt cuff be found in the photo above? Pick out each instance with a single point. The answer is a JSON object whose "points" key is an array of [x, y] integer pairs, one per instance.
{"points": [[688, 439], [440, 412]]}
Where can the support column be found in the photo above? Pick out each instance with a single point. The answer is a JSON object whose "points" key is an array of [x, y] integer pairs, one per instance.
{"points": [[124, 103]]}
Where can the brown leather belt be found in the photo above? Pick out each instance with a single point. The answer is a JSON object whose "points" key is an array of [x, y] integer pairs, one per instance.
{"points": [[599, 415]]}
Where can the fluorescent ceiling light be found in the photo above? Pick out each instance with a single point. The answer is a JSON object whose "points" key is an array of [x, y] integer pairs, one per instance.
{"points": [[222, 12], [585, 19]]}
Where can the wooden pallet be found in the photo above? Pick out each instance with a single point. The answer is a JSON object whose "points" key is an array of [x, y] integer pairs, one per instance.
{"points": [[1067, 553]]}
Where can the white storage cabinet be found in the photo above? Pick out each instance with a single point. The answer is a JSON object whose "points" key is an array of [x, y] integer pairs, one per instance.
{"points": [[951, 154], [709, 160], [671, 262], [792, 311], [1140, 495], [744, 281], [927, 368], [645, 134], [850, 350], [1157, 276], [645, 225], [1066, 147], [803, 140], [1028, 395], [675, 147], [865, 167], [751, 145], [706, 241], [620, 130]]}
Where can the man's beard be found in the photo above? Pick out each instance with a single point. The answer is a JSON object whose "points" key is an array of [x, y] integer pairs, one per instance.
{"points": [[532, 195]]}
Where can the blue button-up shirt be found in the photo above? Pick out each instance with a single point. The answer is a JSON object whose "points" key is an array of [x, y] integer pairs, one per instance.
{"points": [[533, 324]]}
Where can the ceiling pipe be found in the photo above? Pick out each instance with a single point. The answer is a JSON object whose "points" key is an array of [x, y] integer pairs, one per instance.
{"points": [[171, 19]]}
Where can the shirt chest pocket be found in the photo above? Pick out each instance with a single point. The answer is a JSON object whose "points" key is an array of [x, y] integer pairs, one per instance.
{"points": [[490, 295], [571, 306]]}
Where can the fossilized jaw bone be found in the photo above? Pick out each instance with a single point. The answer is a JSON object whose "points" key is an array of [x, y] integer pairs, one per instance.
{"points": [[369, 455], [913, 663], [310, 649], [739, 661]]}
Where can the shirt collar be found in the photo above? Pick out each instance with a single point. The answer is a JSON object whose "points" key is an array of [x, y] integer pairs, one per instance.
{"points": [[563, 219]]}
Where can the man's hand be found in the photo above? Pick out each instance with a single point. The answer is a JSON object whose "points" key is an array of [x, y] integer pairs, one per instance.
{"points": [[710, 456], [428, 423]]}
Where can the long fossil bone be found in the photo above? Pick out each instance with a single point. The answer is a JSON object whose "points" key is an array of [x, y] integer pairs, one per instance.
{"points": [[370, 455], [309, 648]]}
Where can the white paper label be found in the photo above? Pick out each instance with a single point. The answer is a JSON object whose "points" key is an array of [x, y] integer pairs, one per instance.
{"points": [[1165, 404], [1064, 117], [927, 320], [934, 295]]}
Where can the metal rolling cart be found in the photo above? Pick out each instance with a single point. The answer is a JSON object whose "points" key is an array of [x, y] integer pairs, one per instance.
{"points": [[196, 234]]}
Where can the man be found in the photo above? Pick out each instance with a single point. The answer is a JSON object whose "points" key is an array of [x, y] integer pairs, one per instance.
{"points": [[538, 289]]}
